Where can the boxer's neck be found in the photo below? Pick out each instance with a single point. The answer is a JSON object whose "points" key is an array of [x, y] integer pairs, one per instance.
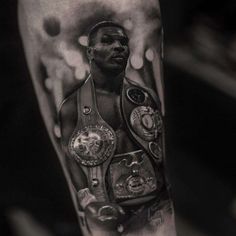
{"points": [[107, 81]]}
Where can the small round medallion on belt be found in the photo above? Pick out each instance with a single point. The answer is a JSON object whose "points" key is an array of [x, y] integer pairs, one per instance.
{"points": [[155, 150], [136, 95], [87, 110]]}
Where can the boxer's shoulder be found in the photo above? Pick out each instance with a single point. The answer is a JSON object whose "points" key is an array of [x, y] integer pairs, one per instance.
{"points": [[70, 99], [67, 114]]}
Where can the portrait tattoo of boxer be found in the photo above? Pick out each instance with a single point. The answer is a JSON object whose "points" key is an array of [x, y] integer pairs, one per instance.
{"points": [[109, 131]]}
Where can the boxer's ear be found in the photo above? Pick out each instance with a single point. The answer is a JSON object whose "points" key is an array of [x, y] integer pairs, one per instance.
{"points": [[90, 53]]}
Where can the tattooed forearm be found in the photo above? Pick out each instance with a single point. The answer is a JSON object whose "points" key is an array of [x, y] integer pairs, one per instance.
{"points": [[96, 69]]}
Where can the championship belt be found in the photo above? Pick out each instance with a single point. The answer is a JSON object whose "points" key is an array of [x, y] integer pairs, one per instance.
{"points": [[92, 145], [146, 122], [132, 176], [143, 118], [93, 141]]}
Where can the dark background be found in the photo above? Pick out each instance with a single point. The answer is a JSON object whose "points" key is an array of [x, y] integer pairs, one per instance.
{"points": [[200, 124]]}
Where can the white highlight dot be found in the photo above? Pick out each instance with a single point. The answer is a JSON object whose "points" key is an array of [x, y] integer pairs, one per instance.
{"points": [[83, 40], [80, 73], [149, 54], [128, 24], [57, 131], [136, 62], [48, 83], [120, 228], [73, 58]]}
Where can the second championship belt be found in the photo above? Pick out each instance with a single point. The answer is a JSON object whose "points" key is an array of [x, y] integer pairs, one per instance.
{"points": [[143, 118], [93, 141]]}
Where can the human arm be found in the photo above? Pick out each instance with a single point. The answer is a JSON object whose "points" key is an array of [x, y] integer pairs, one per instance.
{"points": [[54, 37]]}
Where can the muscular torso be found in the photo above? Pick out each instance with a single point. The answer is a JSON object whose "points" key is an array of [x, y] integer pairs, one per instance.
{"points": [[108, 107], [122, 164], [110, 110]]}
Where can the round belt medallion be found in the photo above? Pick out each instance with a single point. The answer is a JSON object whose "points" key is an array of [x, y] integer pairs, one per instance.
{"points": [[92, 145], [146, 122], [135, 185], [136, 95], [156, 151]]}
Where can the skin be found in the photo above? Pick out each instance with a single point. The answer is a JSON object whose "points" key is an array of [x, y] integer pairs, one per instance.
{"points": [[107, 73], [108, 57]]}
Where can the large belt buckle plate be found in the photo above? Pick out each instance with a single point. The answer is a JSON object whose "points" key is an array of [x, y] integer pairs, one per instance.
{"points": [[132, 176], [146, 122], [92, 145]]}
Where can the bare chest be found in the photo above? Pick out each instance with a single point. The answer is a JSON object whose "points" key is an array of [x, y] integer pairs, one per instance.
{"points": [[109, 109]]}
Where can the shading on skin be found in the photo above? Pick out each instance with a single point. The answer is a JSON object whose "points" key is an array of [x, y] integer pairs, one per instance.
{"points": [[108, 56], [54, 56], [108, 53]]}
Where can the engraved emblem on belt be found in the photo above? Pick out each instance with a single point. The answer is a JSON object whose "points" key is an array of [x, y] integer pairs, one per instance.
{"points": [[133, 176], [146, 122], [135, 185], [92, 145]]}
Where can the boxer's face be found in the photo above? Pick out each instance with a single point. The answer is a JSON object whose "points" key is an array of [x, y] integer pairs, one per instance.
{"points": [[109, 49]]}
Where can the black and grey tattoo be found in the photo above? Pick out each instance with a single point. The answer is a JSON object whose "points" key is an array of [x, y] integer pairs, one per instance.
{"points": [[96, 68]]}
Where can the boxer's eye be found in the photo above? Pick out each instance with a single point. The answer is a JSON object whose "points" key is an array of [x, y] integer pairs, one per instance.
{"points": [[124, 41], [106, 39]]}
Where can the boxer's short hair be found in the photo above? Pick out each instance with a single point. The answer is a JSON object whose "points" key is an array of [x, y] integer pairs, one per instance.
{"points": [[92, 33]]}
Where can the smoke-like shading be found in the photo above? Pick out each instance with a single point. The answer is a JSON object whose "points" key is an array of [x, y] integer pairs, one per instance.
{"points": [[63, 23], [54, 37], [58, 33]]}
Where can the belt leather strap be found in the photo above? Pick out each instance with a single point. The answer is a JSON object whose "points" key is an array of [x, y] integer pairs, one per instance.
{"points": [[90, 121], [127, 108]]}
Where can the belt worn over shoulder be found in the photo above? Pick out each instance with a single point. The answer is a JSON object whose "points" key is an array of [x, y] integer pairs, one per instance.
{"points": [[132, 176], [93, 141], [142, 114]]}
